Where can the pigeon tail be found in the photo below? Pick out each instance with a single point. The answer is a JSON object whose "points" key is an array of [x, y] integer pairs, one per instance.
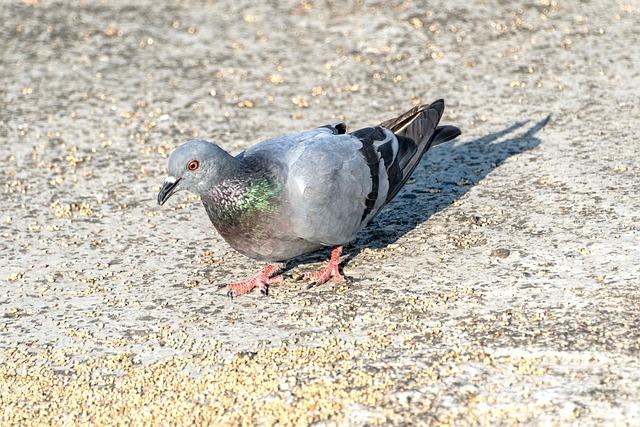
{"points": [[445, 134], [417, 130]]}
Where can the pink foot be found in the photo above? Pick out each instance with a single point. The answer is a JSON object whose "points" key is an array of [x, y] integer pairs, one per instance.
{"points": [[331, 272], [267, 276]]}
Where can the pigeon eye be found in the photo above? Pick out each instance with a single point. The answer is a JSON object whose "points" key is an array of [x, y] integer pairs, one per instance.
{"points": [[193, 165]]}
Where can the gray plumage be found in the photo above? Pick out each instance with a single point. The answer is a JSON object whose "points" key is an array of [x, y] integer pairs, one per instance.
{"points": [[296, 193]]}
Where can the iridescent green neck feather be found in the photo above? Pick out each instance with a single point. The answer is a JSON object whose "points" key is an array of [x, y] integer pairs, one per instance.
{"points": [[258, 196], [236, 201]]}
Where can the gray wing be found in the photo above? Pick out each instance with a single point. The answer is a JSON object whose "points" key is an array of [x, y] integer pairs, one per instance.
{"points": [[337, 184], [328, 183]]}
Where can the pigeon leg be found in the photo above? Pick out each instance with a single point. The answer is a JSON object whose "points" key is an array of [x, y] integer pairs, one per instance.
{"points": [[267, 276], [331, 272]]}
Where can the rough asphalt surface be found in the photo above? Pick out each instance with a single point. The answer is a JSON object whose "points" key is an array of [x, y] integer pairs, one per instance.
{"points": [[500, 287]]}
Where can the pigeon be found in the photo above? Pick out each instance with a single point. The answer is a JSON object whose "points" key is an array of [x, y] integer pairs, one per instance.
{"points": [[298, 193]]}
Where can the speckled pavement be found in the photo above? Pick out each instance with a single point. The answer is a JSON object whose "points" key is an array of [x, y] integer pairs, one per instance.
{"points": [[499, 288]]}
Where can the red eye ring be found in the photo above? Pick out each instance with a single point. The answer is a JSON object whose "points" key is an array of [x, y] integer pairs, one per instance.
{"points": [[193, 165]]}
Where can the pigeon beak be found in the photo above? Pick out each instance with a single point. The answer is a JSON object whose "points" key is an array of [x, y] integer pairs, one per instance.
{"points": [[169, 187]]}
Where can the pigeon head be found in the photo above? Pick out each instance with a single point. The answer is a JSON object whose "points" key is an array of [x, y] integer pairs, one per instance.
{"points": [[195, 166]]}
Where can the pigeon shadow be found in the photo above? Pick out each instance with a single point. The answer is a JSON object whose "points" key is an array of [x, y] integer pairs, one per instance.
{"points": [[446, 173]]}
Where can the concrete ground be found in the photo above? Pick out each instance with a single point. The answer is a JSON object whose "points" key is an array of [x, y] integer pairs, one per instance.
{"points": [[500, 287]]}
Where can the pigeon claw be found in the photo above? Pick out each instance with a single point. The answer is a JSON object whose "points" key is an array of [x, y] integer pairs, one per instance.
{"points": [[264, 290], [241, 288], [330, 273], [262, 280], [327, 274]]}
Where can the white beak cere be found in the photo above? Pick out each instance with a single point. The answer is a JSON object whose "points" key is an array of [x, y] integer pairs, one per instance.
{"points": [[169, 187]]}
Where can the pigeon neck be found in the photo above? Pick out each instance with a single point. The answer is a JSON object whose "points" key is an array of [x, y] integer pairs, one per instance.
{"points": [[249, 189]]}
